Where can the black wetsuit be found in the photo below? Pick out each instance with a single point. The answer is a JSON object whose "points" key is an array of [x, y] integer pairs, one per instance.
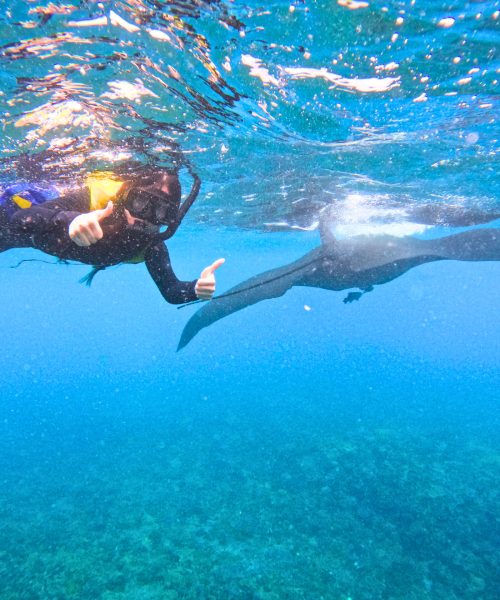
{"points": [[45, 227]]}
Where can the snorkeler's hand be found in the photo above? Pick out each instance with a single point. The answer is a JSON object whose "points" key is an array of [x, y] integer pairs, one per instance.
{"points": [[85, 229], [205, 286]]}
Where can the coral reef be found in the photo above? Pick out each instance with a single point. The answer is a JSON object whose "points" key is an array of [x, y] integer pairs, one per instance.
{"points": [[252, 509]]}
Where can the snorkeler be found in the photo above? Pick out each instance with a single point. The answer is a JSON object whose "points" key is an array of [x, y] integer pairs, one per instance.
{"points": [[108, 222]]}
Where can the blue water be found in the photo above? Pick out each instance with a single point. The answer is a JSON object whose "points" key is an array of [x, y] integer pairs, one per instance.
{"points": [[301, 448]]}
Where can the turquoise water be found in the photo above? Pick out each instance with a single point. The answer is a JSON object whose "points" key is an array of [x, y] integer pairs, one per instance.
{"points": [[302, 447]]}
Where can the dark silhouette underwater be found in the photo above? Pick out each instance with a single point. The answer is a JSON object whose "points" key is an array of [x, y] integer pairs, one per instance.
{"points": [[360, 262]]}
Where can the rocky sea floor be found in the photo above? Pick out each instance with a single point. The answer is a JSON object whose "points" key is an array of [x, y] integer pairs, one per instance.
{"points": [[249, 506]]}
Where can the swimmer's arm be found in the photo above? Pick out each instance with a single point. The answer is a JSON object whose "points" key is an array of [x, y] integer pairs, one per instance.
{"points": [[56, 214], [172, 289], [86, 229], [39, 219]]}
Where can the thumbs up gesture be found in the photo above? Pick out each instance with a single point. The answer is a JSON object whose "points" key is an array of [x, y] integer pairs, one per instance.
{"points": [[205, 286], [85, 229]]}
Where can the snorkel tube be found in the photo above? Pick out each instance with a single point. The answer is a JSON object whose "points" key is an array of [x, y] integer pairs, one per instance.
{"points": [[184, 207]]}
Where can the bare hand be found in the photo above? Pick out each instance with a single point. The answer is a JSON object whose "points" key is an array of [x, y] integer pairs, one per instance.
{"points": [[205, 286], [85, 229]]}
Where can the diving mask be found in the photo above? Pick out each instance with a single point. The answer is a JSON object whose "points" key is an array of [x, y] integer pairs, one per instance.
{"points": [[156, 201]]}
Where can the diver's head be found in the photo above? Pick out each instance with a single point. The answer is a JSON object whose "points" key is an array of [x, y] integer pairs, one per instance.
{"points": [[155, 198]]}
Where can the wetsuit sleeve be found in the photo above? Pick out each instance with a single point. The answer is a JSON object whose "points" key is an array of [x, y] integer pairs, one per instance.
{"points": [[56, 214], [172, 289]]}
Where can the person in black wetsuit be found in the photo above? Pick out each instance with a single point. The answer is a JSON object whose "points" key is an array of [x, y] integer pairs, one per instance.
{"points": [[104, 229]]}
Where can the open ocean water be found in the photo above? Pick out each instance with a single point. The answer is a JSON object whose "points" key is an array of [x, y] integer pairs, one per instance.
{"points": [[302, 448]]}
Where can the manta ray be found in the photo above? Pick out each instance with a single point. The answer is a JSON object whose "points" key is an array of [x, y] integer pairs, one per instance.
{"points": [[360, 263]]}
